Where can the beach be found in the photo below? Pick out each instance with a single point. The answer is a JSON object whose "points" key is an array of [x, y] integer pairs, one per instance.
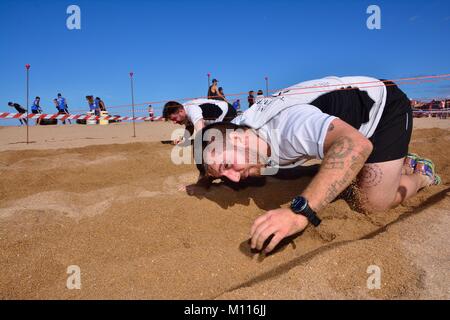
{"points": [[98, 198]]}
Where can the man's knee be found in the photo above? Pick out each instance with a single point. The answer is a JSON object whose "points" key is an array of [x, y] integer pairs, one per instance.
{"points": [[372, 203]]}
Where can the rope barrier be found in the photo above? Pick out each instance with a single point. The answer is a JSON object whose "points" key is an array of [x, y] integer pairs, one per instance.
{"points": [[399, 81], [63, 117]]}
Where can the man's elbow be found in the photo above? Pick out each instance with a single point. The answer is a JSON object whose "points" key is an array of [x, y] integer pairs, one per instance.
{"points": [[365, 146]]}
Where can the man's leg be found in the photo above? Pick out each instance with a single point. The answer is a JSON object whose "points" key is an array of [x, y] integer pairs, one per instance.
{"points": [[382, 186]]}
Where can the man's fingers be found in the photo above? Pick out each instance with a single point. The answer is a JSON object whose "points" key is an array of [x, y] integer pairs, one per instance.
{"points": [[262, 226], [264, 235], [257, 223], [274, 242]]}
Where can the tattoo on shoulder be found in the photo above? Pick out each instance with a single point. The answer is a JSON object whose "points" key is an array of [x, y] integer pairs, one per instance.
{"points": [[331, 127]]}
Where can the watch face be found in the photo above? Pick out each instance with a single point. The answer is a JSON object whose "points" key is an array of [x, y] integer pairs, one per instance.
{"points": [[298, 204]]}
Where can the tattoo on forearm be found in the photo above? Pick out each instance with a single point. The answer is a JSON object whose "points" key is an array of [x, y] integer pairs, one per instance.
{"points": [[333, 164], [341, 148], [335, 160]]}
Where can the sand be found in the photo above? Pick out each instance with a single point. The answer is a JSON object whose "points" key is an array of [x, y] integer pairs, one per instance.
{"points": [[97, 198]]}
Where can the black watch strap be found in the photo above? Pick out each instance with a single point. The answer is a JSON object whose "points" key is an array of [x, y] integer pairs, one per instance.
{"points": [[311, 216]]}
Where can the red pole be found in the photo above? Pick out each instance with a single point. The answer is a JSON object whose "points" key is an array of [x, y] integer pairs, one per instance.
{"points": [[27, 66], [132, 103]]}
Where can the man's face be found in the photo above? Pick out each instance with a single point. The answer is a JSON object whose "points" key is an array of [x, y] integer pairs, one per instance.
{"points": [[178, 117], [235, 162]]}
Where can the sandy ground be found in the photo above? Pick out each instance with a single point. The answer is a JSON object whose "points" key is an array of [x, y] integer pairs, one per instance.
{"points": [[89, 196]]}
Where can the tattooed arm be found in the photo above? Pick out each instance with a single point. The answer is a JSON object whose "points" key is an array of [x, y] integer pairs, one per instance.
{"points": [[346, 151]]}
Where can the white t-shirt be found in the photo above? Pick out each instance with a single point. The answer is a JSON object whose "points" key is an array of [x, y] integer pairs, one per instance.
{"points": [[308, 91], [295, 129], [195, 112], [296, 135]]}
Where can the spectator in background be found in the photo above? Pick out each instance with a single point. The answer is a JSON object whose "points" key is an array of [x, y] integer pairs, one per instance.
{"points": [[20, 110], [93, 107], [222, 94], [151, 113], [443, 114], [260, 96], [213, 92], [36, 108], [251, 98], [237, 105]]}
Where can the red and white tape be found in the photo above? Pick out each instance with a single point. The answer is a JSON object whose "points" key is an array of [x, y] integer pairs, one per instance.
{"points": [[62, 117]]}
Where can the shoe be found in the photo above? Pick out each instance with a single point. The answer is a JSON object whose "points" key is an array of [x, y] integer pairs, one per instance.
{"points": [[427, 167], [411, 160]]}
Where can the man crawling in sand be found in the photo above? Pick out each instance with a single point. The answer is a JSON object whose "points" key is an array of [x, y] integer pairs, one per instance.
{"points": [[359, 127]]}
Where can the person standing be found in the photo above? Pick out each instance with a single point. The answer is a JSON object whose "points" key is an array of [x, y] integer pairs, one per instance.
{"points": [[93, 107], [237, 105], [62, 106], [251, 98], [259, 96], [213, 92], [36, 109], [151, 113], [101, 105], [20, 110]]}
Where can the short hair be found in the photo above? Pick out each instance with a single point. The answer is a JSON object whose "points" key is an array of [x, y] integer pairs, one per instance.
{"points": [[170, 108], [222, 127], [59, 94], [260, 92], [38, 98], [10, 104]]}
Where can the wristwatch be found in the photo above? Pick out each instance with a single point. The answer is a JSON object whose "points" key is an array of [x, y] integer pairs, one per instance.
{"points": [[300, 206]]}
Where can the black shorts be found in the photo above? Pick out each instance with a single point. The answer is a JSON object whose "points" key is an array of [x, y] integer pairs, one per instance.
{"points": [[393, 133], [231, 114], [34, 111]]}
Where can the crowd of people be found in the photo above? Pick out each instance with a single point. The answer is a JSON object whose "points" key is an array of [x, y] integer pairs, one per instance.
{"points": [[216, 93], [96, 106]]}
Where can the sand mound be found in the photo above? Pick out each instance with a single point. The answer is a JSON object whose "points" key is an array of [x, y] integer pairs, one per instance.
{"points": [[115, 211]]}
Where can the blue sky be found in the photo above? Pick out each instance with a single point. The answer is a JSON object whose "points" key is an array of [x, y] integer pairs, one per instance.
{"points": [[172, 45]]}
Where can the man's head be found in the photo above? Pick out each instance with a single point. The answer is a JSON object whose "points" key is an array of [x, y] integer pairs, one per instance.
{"points": [[231, 151], [59, 95], [10, 104], [175, 112], [38, 98]]}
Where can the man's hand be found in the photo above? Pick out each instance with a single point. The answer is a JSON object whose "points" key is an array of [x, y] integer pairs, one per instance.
{"points": [[281, 223], [177, 141]]}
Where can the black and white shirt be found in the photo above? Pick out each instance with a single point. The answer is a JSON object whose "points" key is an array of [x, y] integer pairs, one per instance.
{"points": [[206, 109]]}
